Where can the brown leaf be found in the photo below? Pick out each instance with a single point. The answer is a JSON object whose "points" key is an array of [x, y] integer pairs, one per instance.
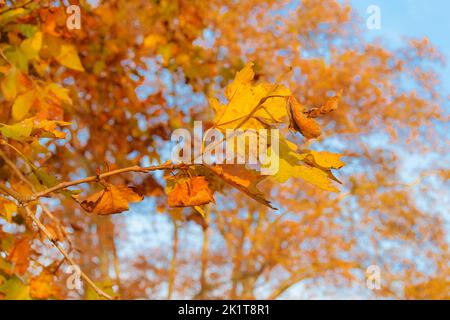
{"points": [[190, 192], [112, 199], [330, 105], [242, 179], [308, 127]]}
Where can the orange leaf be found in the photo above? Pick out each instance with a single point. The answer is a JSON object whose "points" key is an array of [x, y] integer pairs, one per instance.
{"points": [[190, 192], [42, 286], [308, 127], [20, 255], [112, 199]]}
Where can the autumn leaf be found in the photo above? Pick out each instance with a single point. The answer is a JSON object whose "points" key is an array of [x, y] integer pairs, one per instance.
{"points": [[19, 131], [291, 166], [31, 47], [112, 199], [15, 289], [243, 96], [327, 159], [63, 52], [243, 179], [43, 286], [68, 57], [19, 255], [308, 127], [187, 192], [330, 105], [7, 209], [22, 105]]}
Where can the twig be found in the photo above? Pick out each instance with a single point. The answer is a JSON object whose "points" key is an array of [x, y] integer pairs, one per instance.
{"points": [[64, 185], [49, 236]]}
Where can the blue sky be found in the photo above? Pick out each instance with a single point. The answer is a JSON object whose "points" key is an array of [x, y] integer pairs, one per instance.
{"points": [[412, 18]]}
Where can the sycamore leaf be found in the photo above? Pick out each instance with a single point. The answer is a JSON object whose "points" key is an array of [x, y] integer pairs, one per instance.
{"points": [[19, 255], [187, 192], [112, 199], [22, 105], [243, 96], [43, 286], [290, 166]]}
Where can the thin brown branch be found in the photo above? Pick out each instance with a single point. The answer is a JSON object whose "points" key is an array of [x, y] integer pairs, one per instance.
{"points": [[64, 185], [49, 236]]}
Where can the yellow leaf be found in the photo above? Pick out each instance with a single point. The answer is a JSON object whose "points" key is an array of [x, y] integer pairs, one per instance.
{"points": [[327, 159], [112, 199], [290, 166], [7, 209], [31, 47], [48, 128], [9, 84], [19, 131], [60, 92], [244, 96], [15, 289], [68, 57], [22, 105]]}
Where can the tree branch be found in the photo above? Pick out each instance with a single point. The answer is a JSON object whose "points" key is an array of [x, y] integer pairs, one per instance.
{"points": [[64, 185], [49, 236]]}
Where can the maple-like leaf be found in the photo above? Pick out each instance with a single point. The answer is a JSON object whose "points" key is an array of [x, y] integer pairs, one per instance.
{"points": [[243, 96], [291, 165], [112, 199], [188, 192]]}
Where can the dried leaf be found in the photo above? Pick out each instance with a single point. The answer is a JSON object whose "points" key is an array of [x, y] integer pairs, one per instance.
{"points": [[308, 127], [112, 199], [188, 192]]}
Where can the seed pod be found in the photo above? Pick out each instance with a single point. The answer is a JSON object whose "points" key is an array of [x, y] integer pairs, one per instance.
{"points": [[308, 127]]}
